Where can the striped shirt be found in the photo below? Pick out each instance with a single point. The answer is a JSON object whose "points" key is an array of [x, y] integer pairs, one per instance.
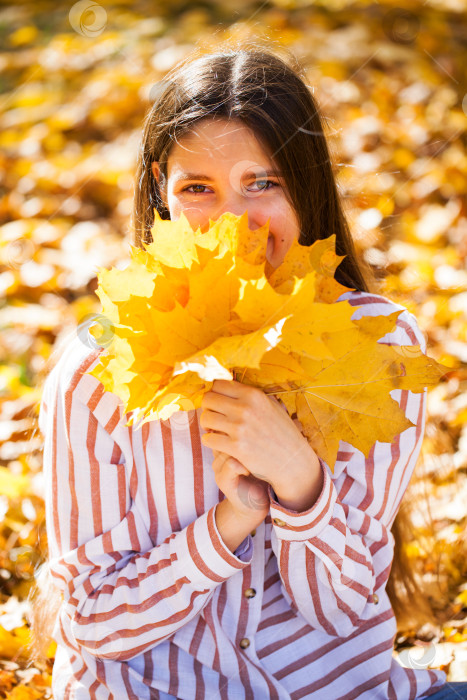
{"points": [[154, 603]]}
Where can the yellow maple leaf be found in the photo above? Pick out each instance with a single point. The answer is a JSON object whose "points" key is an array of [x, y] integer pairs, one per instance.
{"points": [[13, 485], [194, 307], [14, 643], [7, 680], [347, 397], [22, 692]]}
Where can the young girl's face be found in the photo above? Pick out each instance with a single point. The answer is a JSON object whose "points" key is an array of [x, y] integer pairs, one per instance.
{"points": [[220, 166]]}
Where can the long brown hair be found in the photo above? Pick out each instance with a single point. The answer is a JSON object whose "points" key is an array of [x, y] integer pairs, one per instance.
{"points": [[269, 95]]}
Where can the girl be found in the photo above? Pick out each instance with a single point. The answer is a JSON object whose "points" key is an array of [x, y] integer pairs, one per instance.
{"points": [[215, 554]]}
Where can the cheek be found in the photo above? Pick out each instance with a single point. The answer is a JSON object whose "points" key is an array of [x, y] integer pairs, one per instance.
{"points": [[193, 212], [284, 226]]}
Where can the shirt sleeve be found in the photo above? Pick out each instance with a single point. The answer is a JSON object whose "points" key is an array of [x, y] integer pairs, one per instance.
{"points": [[335, 558], [121, 594]]}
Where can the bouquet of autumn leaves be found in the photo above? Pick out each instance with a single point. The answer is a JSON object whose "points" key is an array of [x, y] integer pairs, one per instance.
{"points": [[194, 307]]}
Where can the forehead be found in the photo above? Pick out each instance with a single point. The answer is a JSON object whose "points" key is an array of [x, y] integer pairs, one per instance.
{"points": [[218, 141]]}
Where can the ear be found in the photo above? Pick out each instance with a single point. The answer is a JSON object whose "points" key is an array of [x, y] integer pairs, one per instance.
{"points": [[155, 170]]}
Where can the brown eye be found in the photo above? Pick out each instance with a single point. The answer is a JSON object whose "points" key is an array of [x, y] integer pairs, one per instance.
{"points": [[188, 189]]}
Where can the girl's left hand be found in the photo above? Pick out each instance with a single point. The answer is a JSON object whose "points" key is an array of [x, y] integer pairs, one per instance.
{"points": [[255, 429]]}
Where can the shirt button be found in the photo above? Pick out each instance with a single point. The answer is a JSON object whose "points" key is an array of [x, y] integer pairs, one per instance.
{"points": [[278, 521], [253, 533], [375, 598], [245, 643], [250, 593]]}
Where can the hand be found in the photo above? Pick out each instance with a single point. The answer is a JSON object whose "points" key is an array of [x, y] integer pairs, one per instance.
{"points": [[247, 424], [248, 496]]}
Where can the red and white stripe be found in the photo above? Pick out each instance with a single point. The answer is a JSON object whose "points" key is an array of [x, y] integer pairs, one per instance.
{"points": [[154, 602]]}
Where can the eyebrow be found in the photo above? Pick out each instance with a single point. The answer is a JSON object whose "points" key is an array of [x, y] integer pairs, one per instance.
{"points": [[201, 176]]}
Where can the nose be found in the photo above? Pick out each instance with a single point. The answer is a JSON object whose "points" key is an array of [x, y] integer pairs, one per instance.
{"points": [[236, 204]]}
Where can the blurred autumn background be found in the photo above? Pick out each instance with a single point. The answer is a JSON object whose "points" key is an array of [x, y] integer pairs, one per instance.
{"points": [[76, 81]]}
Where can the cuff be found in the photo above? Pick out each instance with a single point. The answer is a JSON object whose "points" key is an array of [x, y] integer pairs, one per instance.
{"points": [[201, 554], [294, 526]]}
